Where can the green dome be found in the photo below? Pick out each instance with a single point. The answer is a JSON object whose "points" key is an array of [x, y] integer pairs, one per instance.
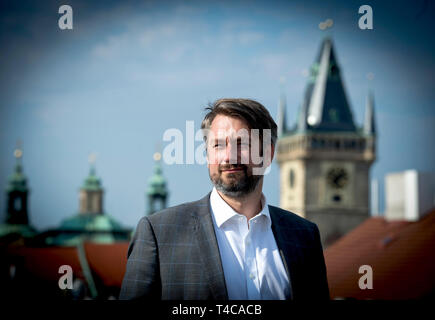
{"points": [[23, 230], [91, 222], [90, 228]]}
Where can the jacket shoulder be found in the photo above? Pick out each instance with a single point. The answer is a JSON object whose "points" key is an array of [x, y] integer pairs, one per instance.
{"points": [[178, 213], [292, 219]]}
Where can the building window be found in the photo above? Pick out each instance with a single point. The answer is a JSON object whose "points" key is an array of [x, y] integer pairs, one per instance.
{"points": [[17, 204], [336, 198], [322, 143]]}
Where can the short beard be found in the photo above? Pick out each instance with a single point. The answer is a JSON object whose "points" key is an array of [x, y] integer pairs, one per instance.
{"points": [[238, 188]]}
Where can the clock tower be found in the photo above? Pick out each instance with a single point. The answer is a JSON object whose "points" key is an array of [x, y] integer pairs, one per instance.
{"points": [[325, 158]]}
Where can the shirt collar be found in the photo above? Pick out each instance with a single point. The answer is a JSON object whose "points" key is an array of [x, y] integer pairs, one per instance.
{"points": [[223, 212]]}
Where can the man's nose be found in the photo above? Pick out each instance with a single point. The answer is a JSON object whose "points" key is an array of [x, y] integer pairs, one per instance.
{"points": [[231, 153]]}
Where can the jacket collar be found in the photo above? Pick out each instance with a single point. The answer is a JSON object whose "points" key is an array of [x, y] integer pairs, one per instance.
{"points": [[209, 250], [287, 240], [223, 212], [207, 242]]}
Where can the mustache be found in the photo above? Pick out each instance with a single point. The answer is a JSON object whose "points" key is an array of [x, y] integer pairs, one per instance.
{"points": [[231, 166]]}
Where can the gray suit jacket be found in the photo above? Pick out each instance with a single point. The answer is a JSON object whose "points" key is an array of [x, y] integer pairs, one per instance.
{"points": [[174, 255]]}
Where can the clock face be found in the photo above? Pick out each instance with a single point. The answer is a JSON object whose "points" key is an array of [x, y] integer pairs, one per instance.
{"points": [[337, 178]]}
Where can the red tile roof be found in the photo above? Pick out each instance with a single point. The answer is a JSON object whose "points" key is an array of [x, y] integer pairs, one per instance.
{"points": [[401, 255], [44, 263], [108, 261]]}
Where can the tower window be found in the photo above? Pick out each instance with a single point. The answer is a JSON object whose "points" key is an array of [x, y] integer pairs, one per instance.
{"points": [[336, 198], [17, 204], [322, 143]]}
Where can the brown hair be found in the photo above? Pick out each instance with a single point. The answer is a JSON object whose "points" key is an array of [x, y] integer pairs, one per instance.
{"points": [[254, 113]]}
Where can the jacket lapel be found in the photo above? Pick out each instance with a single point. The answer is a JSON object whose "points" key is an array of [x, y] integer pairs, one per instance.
{"points": [[208, 247], [288, 251]]}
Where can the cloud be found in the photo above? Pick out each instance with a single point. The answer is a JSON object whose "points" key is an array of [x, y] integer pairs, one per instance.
{"points": [[168, 41]]}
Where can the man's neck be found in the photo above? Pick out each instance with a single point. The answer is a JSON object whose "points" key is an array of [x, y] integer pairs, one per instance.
{"points": [[248, 205]]}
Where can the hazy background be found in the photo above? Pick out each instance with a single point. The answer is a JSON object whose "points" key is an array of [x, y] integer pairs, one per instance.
{"points": [[129, 70]]}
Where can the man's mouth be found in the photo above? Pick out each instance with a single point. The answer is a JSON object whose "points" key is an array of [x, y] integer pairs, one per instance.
{"points": [[232, 169]]}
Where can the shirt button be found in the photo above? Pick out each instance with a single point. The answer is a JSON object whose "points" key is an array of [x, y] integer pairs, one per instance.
{"points": [[248, 242], [251, 276]]}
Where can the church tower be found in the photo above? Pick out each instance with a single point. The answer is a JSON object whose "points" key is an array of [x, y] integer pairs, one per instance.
{"points": [[325, 158], [17, 225], [91, 223], [91, 193], [157, 192], [17, 193]]}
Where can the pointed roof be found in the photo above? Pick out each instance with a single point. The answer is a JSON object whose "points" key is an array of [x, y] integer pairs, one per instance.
{"points": [[327, 105], [369, 122], [282, 119], [301, 125]]}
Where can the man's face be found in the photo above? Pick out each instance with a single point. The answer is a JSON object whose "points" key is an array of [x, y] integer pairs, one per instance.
{"points": [[229, 149]]}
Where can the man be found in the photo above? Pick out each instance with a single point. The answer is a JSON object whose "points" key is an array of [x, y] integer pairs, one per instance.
{"points": [[230, 244]]}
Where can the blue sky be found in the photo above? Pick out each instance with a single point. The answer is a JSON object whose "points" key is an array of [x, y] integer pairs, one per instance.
{"points": [[129, 70]]}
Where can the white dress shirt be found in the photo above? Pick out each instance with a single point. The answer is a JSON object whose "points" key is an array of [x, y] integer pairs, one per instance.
{"points": [[252, 265]]}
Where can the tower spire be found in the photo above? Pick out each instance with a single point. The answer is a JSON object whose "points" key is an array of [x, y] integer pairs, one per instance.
{"points": [[328, 107], [157, 192], [17, 191], [369, 123], [92, 159], [91, 193], [18, 154], [302, 120], [282, 106]]}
